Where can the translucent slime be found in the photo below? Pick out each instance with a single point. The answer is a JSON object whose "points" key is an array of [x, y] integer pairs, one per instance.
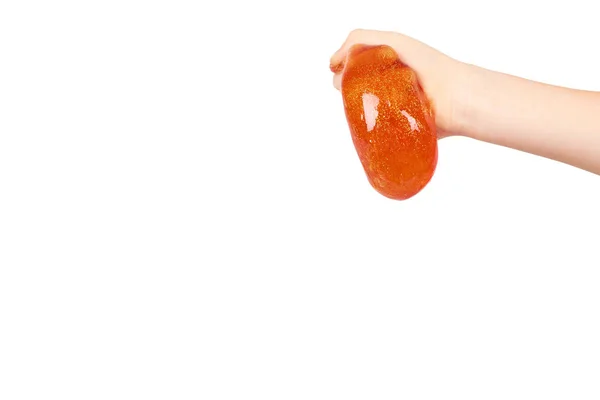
{"points": [[390, 119]]}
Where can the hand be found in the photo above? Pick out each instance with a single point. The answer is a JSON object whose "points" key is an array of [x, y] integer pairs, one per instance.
{"points": [[444, 80]]}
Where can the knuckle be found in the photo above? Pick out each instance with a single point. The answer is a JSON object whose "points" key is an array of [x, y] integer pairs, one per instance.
{"points": [[356, 33]]}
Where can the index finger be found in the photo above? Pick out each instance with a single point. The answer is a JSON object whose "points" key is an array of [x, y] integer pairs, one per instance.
{"points": [[358, 36]]}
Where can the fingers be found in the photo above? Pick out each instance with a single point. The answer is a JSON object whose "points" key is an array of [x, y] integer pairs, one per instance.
{"points": [[336, 68], [337, 81], [358, 36]]}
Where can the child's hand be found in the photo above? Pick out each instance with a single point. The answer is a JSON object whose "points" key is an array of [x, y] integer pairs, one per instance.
{"points": [[444, 79]]}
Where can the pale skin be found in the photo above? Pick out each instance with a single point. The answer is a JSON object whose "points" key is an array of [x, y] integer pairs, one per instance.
{"points": [[554, 122]]}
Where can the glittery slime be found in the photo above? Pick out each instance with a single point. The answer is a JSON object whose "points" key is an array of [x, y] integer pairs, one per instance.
{"points": [[390, 119]]}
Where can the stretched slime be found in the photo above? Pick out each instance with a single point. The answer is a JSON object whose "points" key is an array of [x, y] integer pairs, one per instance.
{"points": [[391, 121]]}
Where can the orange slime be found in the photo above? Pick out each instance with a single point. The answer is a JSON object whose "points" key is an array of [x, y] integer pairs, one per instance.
{"points": [[391, 121]]}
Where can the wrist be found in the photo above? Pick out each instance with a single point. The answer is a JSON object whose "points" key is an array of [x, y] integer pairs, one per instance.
{"points": [[470, 83]]}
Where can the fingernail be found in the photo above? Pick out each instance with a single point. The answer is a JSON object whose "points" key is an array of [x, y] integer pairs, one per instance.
{"points": [[336, 68]]}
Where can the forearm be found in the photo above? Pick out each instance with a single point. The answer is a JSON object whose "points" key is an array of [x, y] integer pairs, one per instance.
{"points": [[553, 122]]}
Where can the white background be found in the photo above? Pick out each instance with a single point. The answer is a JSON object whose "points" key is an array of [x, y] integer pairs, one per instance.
{"points": [[183, 214]]}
